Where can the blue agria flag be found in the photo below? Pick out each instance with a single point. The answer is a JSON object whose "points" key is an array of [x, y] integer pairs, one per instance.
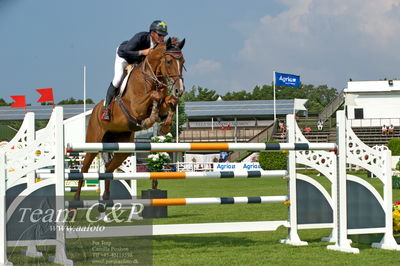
{"points": [[282, 79]]}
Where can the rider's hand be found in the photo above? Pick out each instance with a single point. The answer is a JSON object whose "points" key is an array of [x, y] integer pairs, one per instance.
{"points": [[145, 51]]}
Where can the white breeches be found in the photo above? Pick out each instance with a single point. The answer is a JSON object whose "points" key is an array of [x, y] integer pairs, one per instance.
{"points": [[119, 70]]}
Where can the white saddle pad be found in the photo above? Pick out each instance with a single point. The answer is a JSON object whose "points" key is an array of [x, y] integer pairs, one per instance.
{"points": [[129, 69]]}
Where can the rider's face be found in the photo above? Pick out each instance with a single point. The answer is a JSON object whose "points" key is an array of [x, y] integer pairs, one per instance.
{"points": [[157, 38]]}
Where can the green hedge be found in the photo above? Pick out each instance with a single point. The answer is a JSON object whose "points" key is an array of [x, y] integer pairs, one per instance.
{"points": [[394, 146], [273, 160], [395, 182]]}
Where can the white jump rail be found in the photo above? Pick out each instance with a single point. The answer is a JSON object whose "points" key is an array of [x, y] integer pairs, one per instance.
{"points": [[186, 147], [170, 175], [84, 204]]}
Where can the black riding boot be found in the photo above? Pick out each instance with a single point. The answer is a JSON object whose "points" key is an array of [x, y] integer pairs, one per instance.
{"points": [[110, 95]]}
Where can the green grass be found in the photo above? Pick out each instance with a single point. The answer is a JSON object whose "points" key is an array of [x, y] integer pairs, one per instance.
{"points": [[258, 248]]}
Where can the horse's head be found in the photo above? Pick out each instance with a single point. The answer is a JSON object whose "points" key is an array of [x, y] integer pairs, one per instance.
{"points": [[168, 59]]}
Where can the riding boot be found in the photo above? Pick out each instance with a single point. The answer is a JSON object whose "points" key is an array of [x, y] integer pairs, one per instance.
{"points": [[110, 95]]}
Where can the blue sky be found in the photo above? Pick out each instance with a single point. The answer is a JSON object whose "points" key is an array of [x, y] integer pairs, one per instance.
{"points": [[230, 45]]}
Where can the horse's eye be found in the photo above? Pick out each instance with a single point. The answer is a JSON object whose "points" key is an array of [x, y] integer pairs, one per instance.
{"points": [[169, 62]]}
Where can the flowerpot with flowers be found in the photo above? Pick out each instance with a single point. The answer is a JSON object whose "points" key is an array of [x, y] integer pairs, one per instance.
{"points": [[156, 161], [396, 221]]}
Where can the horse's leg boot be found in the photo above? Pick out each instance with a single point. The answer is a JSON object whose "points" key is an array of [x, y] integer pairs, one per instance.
{"points": [[106, 116]]}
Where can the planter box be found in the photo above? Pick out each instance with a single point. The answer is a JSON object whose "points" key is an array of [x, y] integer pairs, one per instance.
{"points": [[158, 211]]}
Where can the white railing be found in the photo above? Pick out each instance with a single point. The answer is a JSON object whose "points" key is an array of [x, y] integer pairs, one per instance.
{"points": [[374, 122]]}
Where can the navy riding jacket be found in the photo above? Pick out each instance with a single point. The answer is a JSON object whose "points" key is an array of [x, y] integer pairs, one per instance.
{"points": [[129, 50]]}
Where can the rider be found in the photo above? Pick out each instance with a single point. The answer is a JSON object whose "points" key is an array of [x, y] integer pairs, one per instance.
{"points": [[133, 51]]}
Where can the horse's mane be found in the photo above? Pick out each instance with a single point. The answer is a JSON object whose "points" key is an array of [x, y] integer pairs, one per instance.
{"points": [[162, 47], [173, 45]]}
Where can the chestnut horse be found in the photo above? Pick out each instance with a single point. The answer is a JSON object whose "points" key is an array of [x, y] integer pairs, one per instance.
{"points": [[146, 98]]}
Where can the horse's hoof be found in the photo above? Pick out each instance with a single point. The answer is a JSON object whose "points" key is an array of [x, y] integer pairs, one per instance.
{"points": [[103, 217], [101, 208], [72, 213]]}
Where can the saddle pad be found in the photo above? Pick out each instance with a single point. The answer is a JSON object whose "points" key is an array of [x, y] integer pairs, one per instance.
{"points": [[128, 69]]}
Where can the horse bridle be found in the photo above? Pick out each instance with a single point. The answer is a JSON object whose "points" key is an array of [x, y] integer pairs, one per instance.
{"points": [[156, 78]]}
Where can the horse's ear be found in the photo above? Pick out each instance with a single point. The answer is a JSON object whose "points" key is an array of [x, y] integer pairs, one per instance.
{"points": [[181, 44], [169, 41]]}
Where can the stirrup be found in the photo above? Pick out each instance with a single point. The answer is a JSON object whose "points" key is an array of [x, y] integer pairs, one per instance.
{"points": [[106, 115]]}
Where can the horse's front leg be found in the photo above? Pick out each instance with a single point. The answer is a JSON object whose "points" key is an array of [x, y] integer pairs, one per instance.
{"points": [[169, 104], [155, 98]]}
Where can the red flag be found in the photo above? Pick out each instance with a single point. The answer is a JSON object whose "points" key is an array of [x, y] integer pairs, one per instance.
{"points": [[20, 101], [46, 95]]}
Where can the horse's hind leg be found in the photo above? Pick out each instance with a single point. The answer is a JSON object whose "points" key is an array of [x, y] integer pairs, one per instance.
{"points": [[116, 161], [94, 133], [87, 161]]}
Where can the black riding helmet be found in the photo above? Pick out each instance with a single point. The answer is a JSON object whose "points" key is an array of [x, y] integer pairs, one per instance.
{"points": [[160, 27]]}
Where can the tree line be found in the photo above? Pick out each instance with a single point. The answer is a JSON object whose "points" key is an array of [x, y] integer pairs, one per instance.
{"points": [[318, 96]]}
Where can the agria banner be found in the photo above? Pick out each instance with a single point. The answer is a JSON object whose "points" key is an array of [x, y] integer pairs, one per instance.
{"points": [[217, 167], [282, 79]]}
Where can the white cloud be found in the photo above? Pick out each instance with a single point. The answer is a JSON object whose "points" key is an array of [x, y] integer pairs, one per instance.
{"points": [[380, 19], [327, 41], [204, 66], [324, 41]]}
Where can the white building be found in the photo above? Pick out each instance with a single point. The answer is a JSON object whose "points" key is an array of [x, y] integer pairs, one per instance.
{"points": [[373, 103]]}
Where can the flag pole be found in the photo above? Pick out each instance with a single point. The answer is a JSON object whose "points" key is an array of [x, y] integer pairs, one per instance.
{"points": [[84, 100], [177, 122], [273, 78], [84, 88]]}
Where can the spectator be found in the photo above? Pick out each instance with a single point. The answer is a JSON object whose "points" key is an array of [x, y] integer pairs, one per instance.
{"points": [[280, 124], [223, 156], [390, 130], [307, 129], [320, 125], [214, 160], [384, 130], [167, 168], [283, 131], [282, 128]]}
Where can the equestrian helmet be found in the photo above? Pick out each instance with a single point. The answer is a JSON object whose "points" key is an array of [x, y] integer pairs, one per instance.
{"points": [[159, 27]]}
